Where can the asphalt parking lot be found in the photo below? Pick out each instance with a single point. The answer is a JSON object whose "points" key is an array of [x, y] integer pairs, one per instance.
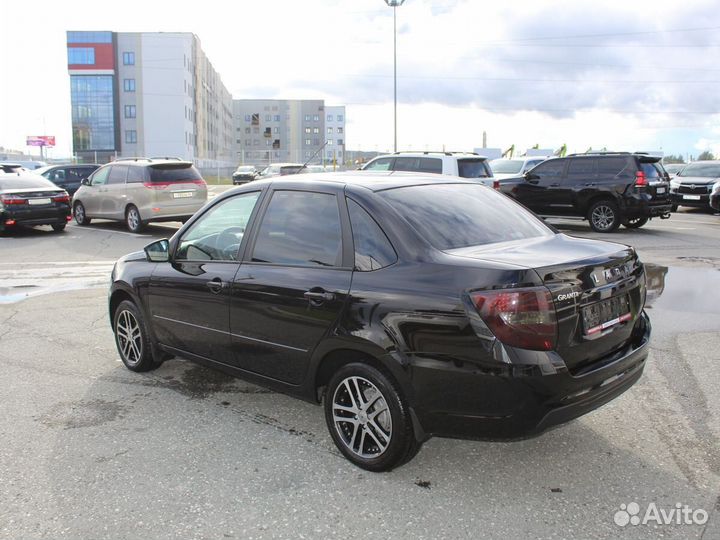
{"points": [[92, 450]]}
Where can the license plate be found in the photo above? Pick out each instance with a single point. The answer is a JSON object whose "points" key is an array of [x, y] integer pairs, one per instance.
{"points": [[605, 314], [183, 194], [38, 201], [660, 190], [692, 197]]}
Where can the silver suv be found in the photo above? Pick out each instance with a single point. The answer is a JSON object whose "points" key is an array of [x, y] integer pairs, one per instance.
{"points": [[140, 190], [463, 164]]}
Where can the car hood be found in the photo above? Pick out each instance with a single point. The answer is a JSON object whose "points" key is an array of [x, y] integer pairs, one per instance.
{"points": [[699, 180]]}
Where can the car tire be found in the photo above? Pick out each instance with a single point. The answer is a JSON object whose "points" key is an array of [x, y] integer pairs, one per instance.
{"points": [[674, 208], [132, 219], [80, 214], [131, 338], [369, 419], [635, 223], [59, 227], [604, 216]]}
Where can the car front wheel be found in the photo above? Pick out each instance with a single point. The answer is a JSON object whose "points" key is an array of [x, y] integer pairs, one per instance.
{"points": [[131, 338], [368, 418], [80, 215], [604, 216]]}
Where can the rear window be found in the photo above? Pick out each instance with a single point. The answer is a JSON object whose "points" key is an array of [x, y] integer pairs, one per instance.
{"points": [[706, 170], [652, 170], [474, 168], [506, 166], [19, 182], [470, 215], [180, 172], [292, 169]]}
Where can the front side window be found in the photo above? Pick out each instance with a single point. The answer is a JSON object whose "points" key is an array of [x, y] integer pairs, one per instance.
{"points": [[550, 169], [217, 235], [100, 177], [381, 164], [373, 250], [300, 228], [117, 175]]}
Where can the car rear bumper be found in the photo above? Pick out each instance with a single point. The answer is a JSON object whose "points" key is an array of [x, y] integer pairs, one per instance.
{"points": [[641, 207], [174, 212], [519, 402], [33, 216]]}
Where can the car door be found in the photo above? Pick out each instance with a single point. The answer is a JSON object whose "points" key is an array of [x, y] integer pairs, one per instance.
{"points": [[292, 284], [189, 297], [112, 194], [536, 190], [90, 196], [579, 184]]}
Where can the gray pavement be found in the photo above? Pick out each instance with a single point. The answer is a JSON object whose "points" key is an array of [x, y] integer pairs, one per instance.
{"points": [[91, 450]]}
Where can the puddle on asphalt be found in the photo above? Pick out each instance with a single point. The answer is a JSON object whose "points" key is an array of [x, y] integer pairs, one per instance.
{"points": [[680, 288]]}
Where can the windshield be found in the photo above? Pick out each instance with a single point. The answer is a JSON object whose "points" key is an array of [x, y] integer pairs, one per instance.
{"points": [[470, 215], [246, 168], [473, 168], [506, 166], [705, 170]]}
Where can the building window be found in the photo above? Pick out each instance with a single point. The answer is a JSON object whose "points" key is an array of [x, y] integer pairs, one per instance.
{"points": [[130, 111], [256, 142], [81, 55], [329, 130], [128, 58], [329, 118], [276, 129], [276, 117], [316, 130], [340, 117], [307, 130], [316, 118], [316, 142], [341, 142], [247, 142], [247, 117], [267, 117], [238, 141], [340, 130], [89, 37], [256, 130], [131, 136], [329, 142], [308, 142], [247, 130], [129, 85], [307, 117]]}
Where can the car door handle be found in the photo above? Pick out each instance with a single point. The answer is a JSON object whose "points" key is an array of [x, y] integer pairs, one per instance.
{"points": [[319, 296], [216, 285]]}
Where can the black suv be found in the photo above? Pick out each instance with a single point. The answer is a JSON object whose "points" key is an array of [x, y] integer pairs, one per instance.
{"points": [[68, 177], [608, 189], [405, 317]]}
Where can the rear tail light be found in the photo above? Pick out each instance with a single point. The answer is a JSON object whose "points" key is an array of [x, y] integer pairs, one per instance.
{"points": [[64, 197], [166, 184], [640, 179], [12, 199], [496, 184], [9, 222], [523, 318]]}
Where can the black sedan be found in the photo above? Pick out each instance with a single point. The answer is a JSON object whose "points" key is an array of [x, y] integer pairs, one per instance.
{"points": [[27, 199], [411, 306]]}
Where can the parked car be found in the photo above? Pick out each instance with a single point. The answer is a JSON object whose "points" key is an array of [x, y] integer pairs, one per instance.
{"points": [[139, 191], [68, 177], [244, 174], [508, 168], [608, 189], [673, 168], [406, 318], [28, 199], [692, 185], [282, 169], [463, 164], [715, 196]]}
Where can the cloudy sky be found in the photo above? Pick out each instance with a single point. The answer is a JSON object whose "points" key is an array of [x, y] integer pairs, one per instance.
{"points": [[616, 74]]}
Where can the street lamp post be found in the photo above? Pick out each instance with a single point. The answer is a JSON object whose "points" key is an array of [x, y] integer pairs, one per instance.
{"points": [[394, 4]]}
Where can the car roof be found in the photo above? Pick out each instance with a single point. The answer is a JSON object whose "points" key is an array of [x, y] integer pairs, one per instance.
{"points": [[432, 154], [371, 180], [149, 161]]}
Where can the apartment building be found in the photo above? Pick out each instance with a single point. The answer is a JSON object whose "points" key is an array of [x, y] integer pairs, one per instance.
{"points": [[147, 94], [276, 130]]}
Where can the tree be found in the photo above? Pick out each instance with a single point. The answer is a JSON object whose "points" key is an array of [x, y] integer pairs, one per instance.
{"points": [[673, 159], [705, 156]]}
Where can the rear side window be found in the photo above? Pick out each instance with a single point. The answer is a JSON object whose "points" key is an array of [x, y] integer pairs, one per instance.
{"points": [[651, 170], [117, 175], [470, 215], [300, 228], [372, 248], [611, 166], [136, 175], [181, 172], [382, 164], [582, 166], [474, 168]]}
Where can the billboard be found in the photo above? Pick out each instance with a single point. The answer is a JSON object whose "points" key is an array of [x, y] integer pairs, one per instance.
{"points": [[41, 140]]}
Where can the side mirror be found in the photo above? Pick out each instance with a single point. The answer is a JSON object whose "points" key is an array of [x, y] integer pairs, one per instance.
{"points": [[158, 251], [85, 181], [531, 178]]}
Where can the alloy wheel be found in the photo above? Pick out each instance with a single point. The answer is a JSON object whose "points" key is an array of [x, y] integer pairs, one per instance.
{"points": [[603, 217], [133, 219], [129, 336], [362, 417]]}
